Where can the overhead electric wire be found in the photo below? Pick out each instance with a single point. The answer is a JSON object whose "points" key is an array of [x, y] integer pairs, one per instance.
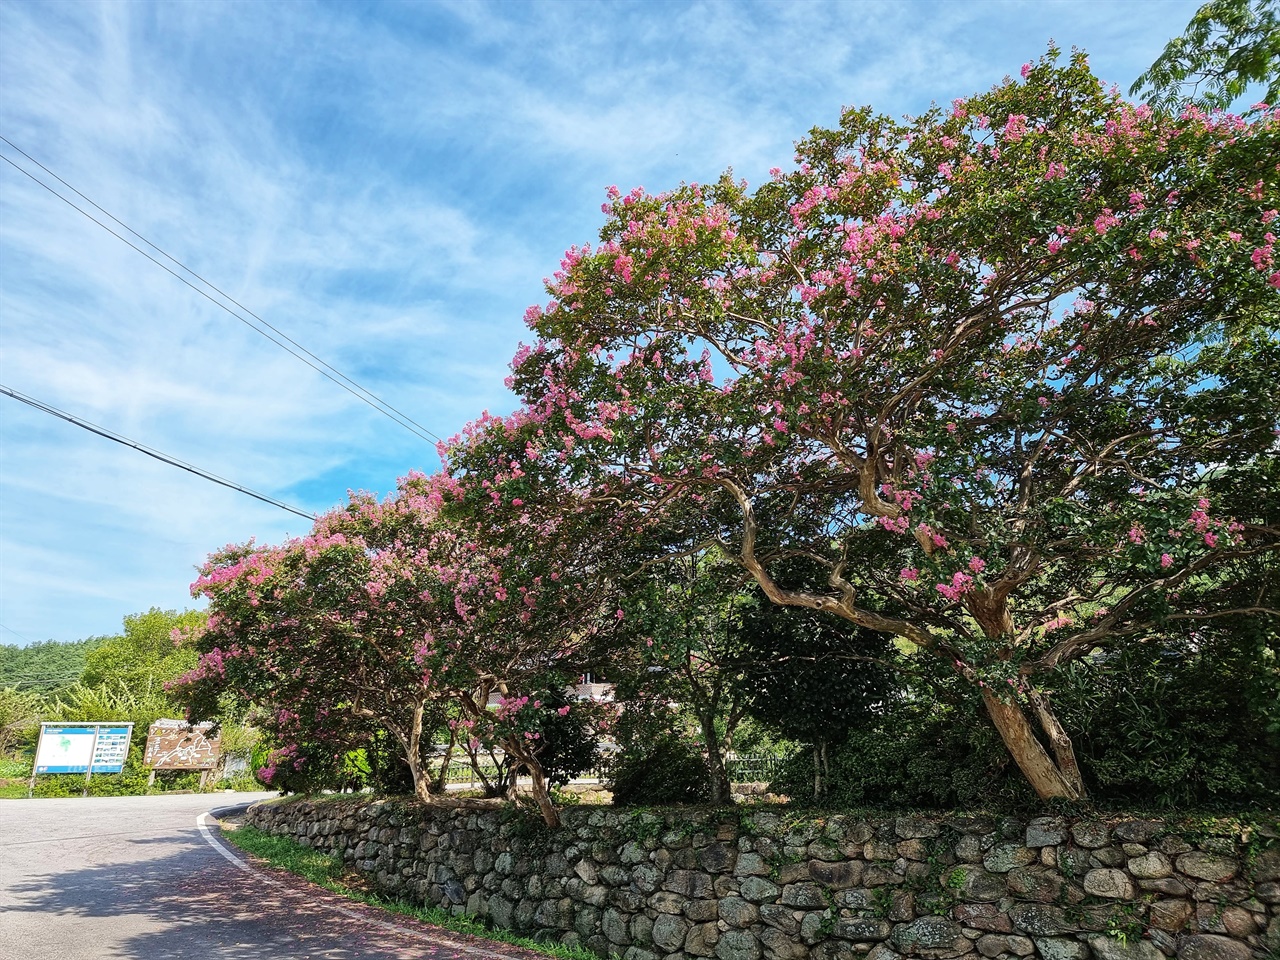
{"points": [[328, 371], [150, 452], [16, 633]]}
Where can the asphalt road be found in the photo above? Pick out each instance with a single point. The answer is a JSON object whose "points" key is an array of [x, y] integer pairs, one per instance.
{"points": [[138, 877]]}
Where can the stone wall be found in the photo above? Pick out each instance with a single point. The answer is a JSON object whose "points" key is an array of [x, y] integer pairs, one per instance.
{"points": [[753, 884]]}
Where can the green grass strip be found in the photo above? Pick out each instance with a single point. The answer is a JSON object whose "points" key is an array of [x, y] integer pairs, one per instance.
{"points": [[327, 871]]}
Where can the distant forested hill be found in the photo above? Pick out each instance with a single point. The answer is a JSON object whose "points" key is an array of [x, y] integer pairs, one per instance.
{"points": [[46, 666]]}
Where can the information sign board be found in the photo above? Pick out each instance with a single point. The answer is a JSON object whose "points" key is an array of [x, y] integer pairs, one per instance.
{"points": [[83, 747], [176, 745]]}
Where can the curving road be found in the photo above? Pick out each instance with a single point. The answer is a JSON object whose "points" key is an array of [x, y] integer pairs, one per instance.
{"points": [[139, 877]]}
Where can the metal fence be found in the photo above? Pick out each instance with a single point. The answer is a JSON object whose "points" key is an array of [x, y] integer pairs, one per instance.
{"points": [[754, 769]]}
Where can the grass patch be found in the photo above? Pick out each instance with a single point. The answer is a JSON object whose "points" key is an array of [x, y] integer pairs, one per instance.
{"points": [[288, 854], [15, 769], [328, 872]]}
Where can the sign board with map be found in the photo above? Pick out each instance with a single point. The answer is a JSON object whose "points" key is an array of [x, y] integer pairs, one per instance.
{"points": [[176, 745], [82, 747]]}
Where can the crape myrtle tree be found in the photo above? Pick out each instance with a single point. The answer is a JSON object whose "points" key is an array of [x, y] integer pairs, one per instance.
{"points": [[393, 615], [324, 637], [973, 366], [567, 544]]}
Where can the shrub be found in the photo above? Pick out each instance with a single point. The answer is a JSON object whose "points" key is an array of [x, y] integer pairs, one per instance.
{"points": [[1171, 726], [921, 752], [670, 771]]}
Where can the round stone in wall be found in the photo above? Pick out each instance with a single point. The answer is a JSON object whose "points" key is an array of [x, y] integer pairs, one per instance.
{"points": [[1109, 883]]}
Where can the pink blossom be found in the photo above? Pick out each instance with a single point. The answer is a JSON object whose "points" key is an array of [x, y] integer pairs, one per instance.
{"points": [[1015, 127], [1166, 561], [977, 564], [961, 583], [1026, 70], [909, 574]]}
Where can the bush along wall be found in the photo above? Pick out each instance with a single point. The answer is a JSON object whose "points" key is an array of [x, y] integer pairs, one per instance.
{"points": [[746, 884]]}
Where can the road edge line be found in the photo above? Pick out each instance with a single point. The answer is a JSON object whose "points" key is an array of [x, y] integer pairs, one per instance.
{"points": [[202, 822]]}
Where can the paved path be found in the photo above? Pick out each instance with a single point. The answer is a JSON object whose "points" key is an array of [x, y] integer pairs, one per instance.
{"points": [[138, 877]]}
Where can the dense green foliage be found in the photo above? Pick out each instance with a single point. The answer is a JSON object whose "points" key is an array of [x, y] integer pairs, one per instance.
{"points": [[1228, 45], [1174, 727], [147, 653], [1163, 726], [927, 746], [658, 761], [47, 665], [19, 715]]}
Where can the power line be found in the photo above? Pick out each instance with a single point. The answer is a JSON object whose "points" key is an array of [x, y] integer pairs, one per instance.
{"points": [[16, 633], [301, 353], [156, 454]]}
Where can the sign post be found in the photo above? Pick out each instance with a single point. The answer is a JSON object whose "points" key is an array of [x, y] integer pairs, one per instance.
{"points": [[89, 772], [86, 748]]}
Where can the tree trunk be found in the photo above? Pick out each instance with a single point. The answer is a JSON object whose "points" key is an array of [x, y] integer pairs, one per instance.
{"points": [[1041, 772], [411, 743], [513, 779], [717, 778], [440, 781], [541, 794], [1059, 742]]}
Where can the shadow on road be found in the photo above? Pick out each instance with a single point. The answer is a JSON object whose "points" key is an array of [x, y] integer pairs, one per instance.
{"points": [[191, 904]]}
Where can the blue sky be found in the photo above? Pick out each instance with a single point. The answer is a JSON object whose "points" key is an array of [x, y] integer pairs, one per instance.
{"points": [[388, 184]]}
